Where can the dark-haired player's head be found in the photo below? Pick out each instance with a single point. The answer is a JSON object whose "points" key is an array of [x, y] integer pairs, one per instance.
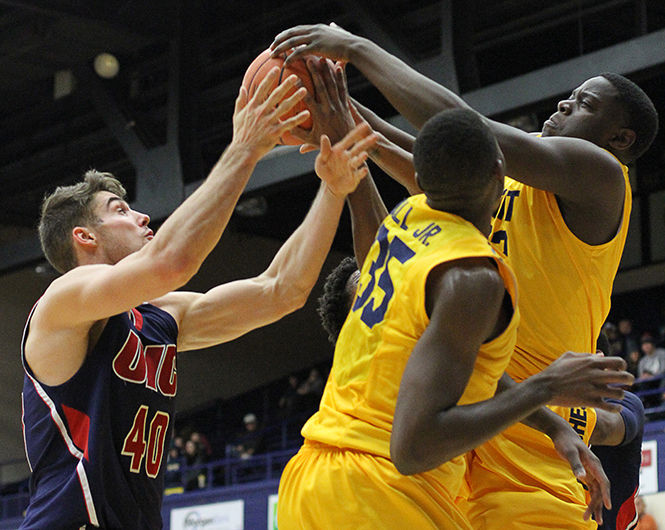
{"points": [[612, 112], [338, 292], [458, 161]]}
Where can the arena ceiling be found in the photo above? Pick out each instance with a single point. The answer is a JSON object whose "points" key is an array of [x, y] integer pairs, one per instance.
{"points": [[163, 120]]}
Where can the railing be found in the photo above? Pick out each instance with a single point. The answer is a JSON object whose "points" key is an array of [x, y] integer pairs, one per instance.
{"points": [[13, 505], [226, 471], [650, 390]]}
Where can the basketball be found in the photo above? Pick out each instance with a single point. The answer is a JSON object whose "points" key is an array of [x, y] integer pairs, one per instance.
{"points": [[260, 68]]}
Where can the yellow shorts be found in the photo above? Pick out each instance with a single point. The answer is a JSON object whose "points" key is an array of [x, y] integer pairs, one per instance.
{"points": [[518, 481], [327, 488]]}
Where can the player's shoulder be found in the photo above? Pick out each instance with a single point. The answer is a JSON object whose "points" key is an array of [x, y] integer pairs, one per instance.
{"points": [[476, 274], [176, 303]]}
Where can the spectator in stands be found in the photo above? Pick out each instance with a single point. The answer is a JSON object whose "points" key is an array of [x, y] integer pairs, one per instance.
{"points": [[290, 399], [174, 461], [627, 337], [653, 361], [612, 334], [251, 441], [311, 390], [193, 458], [178, 443], [632, 362], [201, 441], [644, 521]]}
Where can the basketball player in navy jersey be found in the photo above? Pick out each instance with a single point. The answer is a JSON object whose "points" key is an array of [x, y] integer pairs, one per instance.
{"points": [[100, 362]]}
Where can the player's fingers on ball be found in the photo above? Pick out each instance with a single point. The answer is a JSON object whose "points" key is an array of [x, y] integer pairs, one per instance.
{"points": [[280, 92], [285, 106], [241, 100], [328, 78], [299, 48], [286, 38], [340, 79], [292, 122], [317, 79], [266, 85]]}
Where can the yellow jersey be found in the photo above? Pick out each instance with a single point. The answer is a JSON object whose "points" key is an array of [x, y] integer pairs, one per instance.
{"points": [[388, 316], [565, 284]]}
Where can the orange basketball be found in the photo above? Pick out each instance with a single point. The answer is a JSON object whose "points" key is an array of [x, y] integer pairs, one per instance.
{"points": [[260, 68]]}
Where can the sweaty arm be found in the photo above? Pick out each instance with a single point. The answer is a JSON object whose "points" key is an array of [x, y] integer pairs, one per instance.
{"points": [[92, 293]]}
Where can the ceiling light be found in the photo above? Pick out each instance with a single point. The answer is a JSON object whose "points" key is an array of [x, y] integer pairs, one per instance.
{"points": [[106, 65]]}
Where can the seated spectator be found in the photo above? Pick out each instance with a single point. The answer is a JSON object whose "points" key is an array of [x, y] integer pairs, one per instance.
{"points": [[178, 443], [644, 520], [289, 402], [616, 344], [250, 441], [653, 361], [174, 461], [311, 390], [627, 336], [201, 441], [632, 361], [194, 478]]}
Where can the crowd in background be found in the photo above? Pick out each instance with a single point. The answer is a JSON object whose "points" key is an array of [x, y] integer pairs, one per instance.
{"points": [[291, 400], [645, 356]]}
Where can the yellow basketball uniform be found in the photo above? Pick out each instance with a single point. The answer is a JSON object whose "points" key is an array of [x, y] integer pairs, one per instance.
{"points": [[565, 287], [343, 477]]}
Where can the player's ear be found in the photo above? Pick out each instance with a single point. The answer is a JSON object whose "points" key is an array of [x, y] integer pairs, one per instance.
{"points": [[623, 140], [84, 237], [418, 180]]}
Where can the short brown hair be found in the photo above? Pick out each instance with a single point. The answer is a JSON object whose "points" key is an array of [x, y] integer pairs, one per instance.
{"points": [[68, 207]]}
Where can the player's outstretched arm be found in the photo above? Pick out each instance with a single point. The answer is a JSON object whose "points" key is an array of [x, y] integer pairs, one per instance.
{"points": [[392, 153], [429, 429], [414, 96], [91, 293], [587, 178], [230, 310]]}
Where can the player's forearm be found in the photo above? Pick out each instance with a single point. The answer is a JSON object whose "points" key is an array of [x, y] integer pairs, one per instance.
{"points": [[194, 228], [413, 95], [297, 265], [543, 419], [394, 134], [455, 431], [397, 163], [367, 213]]}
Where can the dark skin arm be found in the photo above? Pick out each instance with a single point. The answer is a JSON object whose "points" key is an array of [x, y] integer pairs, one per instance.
{"points": [[587, 180], [393, 150], [464, 300], [331, 115]]}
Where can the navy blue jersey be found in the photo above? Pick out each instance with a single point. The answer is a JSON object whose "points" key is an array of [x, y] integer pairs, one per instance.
{"points": [[96, 444]]}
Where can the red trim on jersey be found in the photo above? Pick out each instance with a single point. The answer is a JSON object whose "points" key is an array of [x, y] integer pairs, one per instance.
{"points": [[79, 426], [138, 319], [627, 515]]}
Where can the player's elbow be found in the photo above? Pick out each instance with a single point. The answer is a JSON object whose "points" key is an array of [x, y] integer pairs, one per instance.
{"points": [[286, 297], [174, 270], [407, 456]]}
